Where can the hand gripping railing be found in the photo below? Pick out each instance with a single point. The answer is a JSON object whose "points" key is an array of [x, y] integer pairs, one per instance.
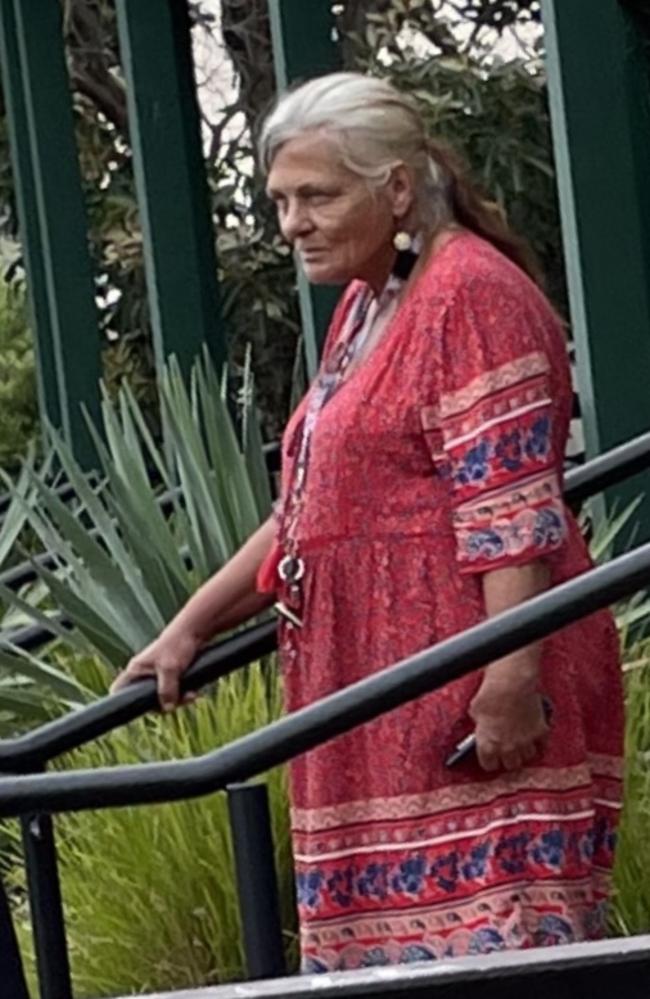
{"points": [[580, 483], [249, 809], [280, 741], [250, 823], [339, 712], [33, 750]]}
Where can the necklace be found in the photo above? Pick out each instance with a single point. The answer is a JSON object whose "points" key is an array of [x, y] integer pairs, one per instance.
{"points": [[291, 565]]}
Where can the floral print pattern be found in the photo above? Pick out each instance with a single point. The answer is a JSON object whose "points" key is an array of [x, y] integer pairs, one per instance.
{"points": [[492, 467], [439, 458], [457, 870]]}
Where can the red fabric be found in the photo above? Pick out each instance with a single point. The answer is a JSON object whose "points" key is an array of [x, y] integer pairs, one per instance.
{"points": [[267, 576], [438, 459]]}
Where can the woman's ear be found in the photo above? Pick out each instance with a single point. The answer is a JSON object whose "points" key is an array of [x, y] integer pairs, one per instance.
{"points": [[401, 191]]}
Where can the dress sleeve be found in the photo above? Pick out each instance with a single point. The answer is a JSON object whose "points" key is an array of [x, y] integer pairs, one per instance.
{"points": [[493, 430]]}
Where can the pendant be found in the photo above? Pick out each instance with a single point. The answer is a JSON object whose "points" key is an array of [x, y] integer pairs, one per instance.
{"points": [[291, 569], [286, 612]]}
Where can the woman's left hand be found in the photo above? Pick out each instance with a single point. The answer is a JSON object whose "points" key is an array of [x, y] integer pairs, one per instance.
{"points": [[510, 726]]}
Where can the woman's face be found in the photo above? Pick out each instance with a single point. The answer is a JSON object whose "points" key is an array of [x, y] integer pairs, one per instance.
{"points": [[339, 228]]}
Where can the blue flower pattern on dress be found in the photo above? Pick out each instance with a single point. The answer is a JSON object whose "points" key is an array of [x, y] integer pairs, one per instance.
{"points": [[342, 887], [487, 542], [410, 878], [604, 837], [553, 930], [376, 957], [445, 871], [373, 883], [308, 888], [416, 952], [538, 439], [511, 854], [550, 849], [486, 941], [549, 528], [509, 449], [514, 451], [476, 866], [474, 468]]}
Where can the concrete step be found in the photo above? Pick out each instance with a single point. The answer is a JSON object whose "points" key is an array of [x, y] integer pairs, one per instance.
{"points": [[613, 969]]}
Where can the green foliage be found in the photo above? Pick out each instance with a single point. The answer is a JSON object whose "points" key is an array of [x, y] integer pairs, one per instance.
{"points": [[18, 403], [149, 892], [495, 113], [122, 566], [630, 912], [631, 908]]}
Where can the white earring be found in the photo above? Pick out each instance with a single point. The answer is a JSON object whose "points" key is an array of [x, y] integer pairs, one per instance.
{"points": [[402, 241]]}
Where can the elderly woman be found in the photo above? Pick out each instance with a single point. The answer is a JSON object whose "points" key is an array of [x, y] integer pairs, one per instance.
{"points": [[422, 492]]}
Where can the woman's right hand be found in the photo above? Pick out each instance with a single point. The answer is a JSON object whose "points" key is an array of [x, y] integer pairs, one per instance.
{"points": [[225, 601], [166, 659]]}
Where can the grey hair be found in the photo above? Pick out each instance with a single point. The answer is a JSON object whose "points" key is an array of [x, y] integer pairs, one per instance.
{"points": [[374, 126]]}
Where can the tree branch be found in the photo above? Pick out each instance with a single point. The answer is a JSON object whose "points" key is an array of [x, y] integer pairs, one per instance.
{"points": [[108, 97]]}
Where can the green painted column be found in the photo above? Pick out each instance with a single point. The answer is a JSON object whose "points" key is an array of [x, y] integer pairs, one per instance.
{"points": [[23, 178], [303, 47], [171, 182], [600, 111], [62, 248]]}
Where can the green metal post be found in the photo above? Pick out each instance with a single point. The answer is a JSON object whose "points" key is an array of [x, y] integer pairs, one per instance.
{"points": [[23, 178], [303, 47], [170, 177], [63, 245], [600, 103]]}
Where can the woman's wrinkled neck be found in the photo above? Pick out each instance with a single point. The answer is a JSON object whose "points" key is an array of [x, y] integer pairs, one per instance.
{"points": [[378, 270]]}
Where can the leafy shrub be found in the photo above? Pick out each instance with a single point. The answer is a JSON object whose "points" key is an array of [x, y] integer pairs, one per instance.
{"points": [[18, 403], [494, 113], [149, 892], [123, 567], [118, 588], [631, 908]]}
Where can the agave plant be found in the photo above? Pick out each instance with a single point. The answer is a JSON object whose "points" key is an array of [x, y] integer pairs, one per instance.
{"points": [[122, 566]]}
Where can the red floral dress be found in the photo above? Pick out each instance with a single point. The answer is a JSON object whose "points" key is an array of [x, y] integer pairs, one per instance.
{"points": [[438, 459]]}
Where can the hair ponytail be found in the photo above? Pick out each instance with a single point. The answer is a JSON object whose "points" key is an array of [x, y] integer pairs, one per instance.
{"points": [[478, 214]]}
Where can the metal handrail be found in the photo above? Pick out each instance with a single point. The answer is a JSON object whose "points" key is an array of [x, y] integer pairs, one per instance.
{"points": [[337, 713], [597, 474], [79, 727], [608, 469], [32, 750]]}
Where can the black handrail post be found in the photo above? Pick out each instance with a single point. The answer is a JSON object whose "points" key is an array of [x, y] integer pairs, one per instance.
{"points": [[46, 907], [12, 974], [259, 898]]}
